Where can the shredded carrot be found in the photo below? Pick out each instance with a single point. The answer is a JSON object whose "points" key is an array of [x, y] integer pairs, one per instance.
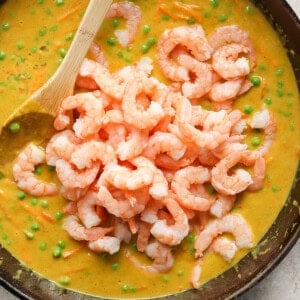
{"points": [[191, 6], [8, 215], [47, 216], [25, 255], [263, 88], [33, 212], [188, 10], [68, 253], [75, 7], [163, 8]]}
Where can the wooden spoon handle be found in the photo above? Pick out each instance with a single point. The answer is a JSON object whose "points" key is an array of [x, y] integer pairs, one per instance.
{"points": [[61, 84]]}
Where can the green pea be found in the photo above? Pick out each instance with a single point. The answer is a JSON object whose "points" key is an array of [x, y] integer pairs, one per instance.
{"points": [[53, 28], [280, 93], [64, 280], [57, 252], [268, 101], [20, 45], [255, 141], [62, 52], [35, 226], [61, 244], [214, 3], [34, 201], [132, 289], [191, 238], [280, 84], [146, 29], [275, 188], [180, 272], [222, 18], [2, 55], [42, 31], [120, 54], [40, 1], [1, 175], [43, 246], [124, 287], [278, 72], [29, 234], [262, 67], [144, 48], [255, 80], [165, 18], [211, 190], [111, 41], [69, 36], [14, 127], [115, 23], [249, 10], [38, 170], [165, 278], [21, 195], [34, 49], [58, 216], [59, 2], [115, 266], [248, 109], [5, 26], [151, 41], [4, 236], [191, 21], [44, 203]]}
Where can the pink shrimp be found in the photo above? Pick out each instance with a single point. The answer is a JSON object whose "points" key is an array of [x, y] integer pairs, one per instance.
{"points": [[225, 247], [109, 244], [234, 183], [132, 13], [23, 174], [193, 38], [196, 273], [171, 234], [182, 181], [222, 205], [259, 172], [121, 231], [98, 54], [73, 194], [139, 118], [93, 151], [232, 34], [71, 177], [227, 63], [90, 108], [232, 223], [143, 236], [79, 233]]}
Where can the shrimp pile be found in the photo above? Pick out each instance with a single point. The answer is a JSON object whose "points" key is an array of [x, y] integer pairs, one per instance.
{"points": [[138, 159]]}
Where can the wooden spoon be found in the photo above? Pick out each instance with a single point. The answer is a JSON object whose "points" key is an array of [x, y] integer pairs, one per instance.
{"points": [[35, 116], [48, 98]]}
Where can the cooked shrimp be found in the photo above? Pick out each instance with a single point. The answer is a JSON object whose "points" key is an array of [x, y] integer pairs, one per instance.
{"points": [[225, 247], [61, 146], [139, 118], [127, 205], [90, 107], [133, 14], [73, 194], [202, 82], [193, 38], [164, 142], [232, 34], [182, 181], [162, 256], [98, 54], [222, 91], [143, 236], [232, 223], [196, 273], [234, 183], [71, 177], [108, 244], [87, 210], [121, 231], [171, 234], [78, 232], [93, 151], [259, 172], [227, 63], [23, 174], [222, 205], [149, 215]]}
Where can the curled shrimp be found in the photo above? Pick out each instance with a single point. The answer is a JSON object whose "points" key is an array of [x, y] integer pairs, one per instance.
{"points": [[162, 256], [90, 107], [71, 177], [98, 54], [23, 174], [191, 37], [140, 118], [164, 142], [93, 151], [232, 34], [109, 244], [143, 236], [231, 184], [232, 223], [171, 234], [227, 63], [132, 13], [222, 206], [79, 233], [73, 194], [225, 247], [182, 181], [121, 230]]}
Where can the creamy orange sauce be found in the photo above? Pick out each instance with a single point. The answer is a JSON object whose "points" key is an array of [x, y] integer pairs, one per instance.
{"points": [[32, 54]]}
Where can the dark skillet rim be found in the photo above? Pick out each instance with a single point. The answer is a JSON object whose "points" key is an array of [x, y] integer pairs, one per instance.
{"points": [[17, 288]]}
